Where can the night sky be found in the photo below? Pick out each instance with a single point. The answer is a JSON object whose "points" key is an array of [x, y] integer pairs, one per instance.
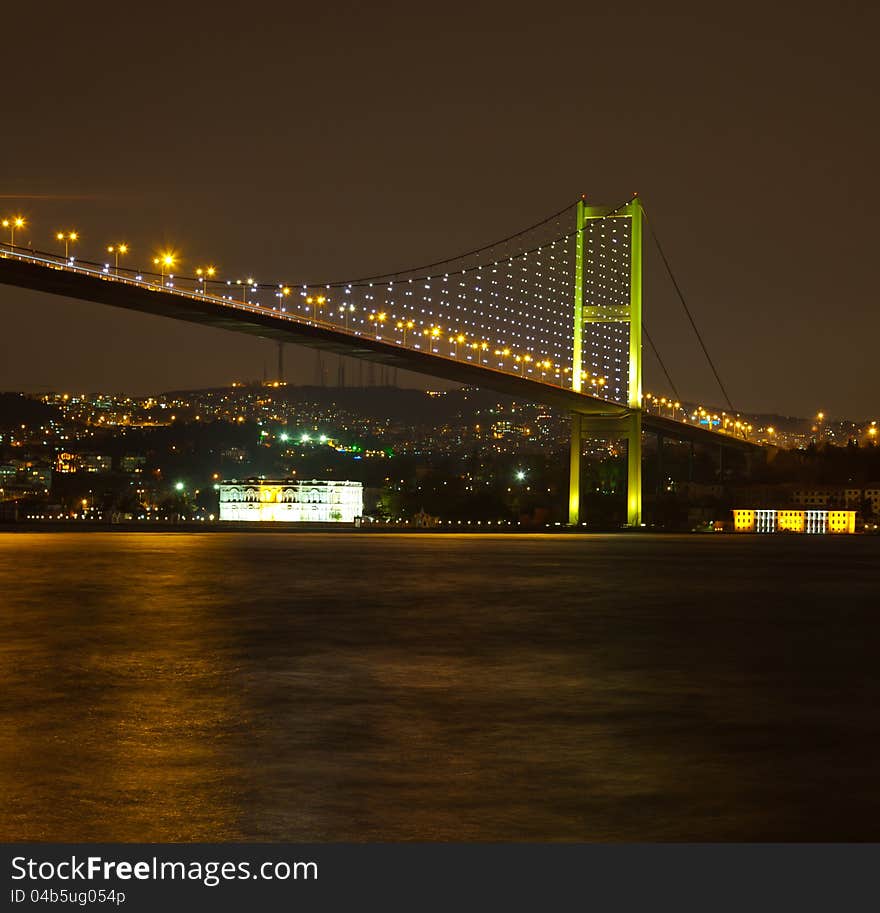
{"points": [[329, 141]]}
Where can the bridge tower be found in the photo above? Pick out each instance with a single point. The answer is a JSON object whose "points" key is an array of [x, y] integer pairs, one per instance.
{"points": [[617, 421]]}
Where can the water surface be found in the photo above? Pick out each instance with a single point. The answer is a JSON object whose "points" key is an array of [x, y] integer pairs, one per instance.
{"points": [[294, 687]]}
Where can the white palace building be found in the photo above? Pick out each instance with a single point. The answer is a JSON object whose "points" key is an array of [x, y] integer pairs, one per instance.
{"points": [[291, 501]]}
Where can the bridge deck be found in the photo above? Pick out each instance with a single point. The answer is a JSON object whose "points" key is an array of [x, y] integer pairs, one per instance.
{"points": [[89, 285]]}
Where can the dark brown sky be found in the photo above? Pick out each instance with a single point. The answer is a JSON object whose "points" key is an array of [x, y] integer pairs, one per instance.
{"points": [[293, 140]]}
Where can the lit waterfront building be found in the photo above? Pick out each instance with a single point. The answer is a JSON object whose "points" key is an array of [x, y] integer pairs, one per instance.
{"points": [[290, 501], [794, 521]]}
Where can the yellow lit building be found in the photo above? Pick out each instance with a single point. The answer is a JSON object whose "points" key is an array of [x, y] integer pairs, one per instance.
{"points": [[818, 521], [744, 521]]}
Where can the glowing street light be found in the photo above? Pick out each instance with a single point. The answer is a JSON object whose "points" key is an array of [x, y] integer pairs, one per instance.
{"points": [[314, 302], [68, 238], [479, 348], [282, 293], [165, 261], [248, 283], [377, 319], [456, 341], [405, 325], [117, 250], [12, 223], [433, 334], [346, 311], [204, 274]]}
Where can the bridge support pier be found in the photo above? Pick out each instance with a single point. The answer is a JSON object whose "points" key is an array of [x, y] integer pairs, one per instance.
{"points": [[574, 471], [627, 425], [634, 470]]}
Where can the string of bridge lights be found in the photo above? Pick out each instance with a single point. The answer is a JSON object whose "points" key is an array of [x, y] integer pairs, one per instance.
{"points": [[606, 290], [511, 313]]}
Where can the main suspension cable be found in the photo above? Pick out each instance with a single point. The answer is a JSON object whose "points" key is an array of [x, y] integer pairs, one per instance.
{"points": [[470, 253], [366, 280], [687, 311], [656, 352]]}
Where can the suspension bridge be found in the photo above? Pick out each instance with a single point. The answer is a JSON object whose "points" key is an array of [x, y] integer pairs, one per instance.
{"points": [[551, 314]]}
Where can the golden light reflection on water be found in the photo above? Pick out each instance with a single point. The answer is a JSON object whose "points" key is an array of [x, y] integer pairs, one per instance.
{"points": [[124, 709], [297, 687]]}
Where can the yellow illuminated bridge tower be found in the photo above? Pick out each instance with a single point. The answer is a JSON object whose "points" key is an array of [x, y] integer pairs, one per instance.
{"points": [[619, 420]]}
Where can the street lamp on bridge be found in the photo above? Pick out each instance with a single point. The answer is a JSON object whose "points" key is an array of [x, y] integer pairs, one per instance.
{"points": [[165, 261], [346, 310], [479, 348], [204, 274], [314, 302], [456, 340], [117, 250], [248, 283], [433, 334], [405, 325], [12, 223], [281, 294], [68, 238]]}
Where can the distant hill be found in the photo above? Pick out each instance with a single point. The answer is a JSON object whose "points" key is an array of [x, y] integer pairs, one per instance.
{"points": [[16, 409], [396, 403]]}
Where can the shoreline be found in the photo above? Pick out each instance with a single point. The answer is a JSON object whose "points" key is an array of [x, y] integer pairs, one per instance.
{"points": [[60, 526]]}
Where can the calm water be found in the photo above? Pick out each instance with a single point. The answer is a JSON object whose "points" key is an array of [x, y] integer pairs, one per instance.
{"points": [[174, 687]]}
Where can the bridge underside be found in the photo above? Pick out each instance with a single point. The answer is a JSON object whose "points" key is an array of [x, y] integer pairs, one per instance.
{"points": [[267, 325]]}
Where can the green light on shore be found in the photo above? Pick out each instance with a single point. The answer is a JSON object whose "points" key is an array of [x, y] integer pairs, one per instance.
{"points": [[179, 486]]}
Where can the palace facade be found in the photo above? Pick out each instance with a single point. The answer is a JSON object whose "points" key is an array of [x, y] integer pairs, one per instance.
{"points": [[291, 501]]}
